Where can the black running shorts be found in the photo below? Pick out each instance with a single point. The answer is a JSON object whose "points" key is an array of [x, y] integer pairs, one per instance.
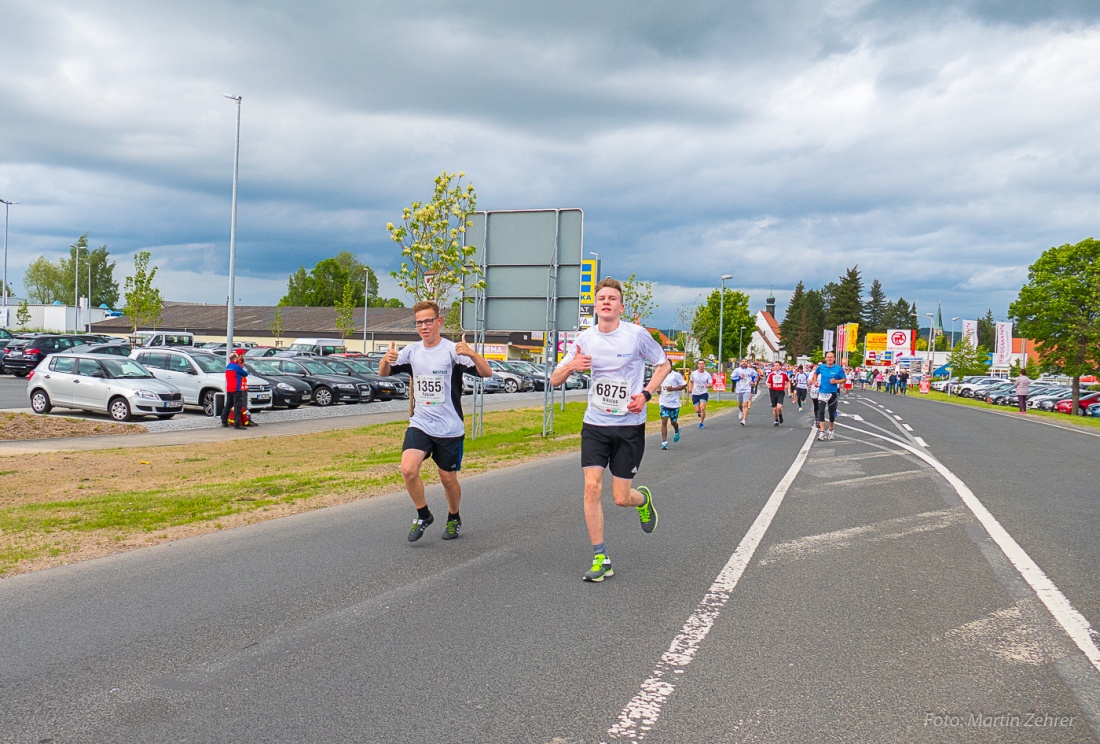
{"points": [[777, 396], [826, 402], [619, 448], [446, 451]]}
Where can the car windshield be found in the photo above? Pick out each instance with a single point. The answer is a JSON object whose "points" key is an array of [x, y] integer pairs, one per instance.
{"points": [[341, 367], [262, 368], [358, 366], [316, 368], [125, 369], [209, 362]]}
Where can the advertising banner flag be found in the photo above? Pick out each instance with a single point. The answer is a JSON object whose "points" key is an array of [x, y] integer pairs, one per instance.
{"points": [[875, 342], [852, 336], [827, 342], [719, 382], [901, 341], [841, 339], [1002, 354], [970, 331]]}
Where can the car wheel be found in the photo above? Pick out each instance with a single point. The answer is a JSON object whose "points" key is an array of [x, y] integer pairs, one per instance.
{"points": [[119, 409], [165, 416], [40, 402], [368, 396], [511, 386], [207, 402], [322, 396]]}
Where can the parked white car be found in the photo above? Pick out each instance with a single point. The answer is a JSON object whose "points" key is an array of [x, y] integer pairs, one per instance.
{"points": [[117, 386], [200, 375]]}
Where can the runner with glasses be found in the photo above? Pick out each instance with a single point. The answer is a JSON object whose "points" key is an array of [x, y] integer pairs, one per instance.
{"points": [[436, 427]]}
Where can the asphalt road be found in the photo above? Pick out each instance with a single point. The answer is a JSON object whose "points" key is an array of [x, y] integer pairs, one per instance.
{"points": [[794, 591]]}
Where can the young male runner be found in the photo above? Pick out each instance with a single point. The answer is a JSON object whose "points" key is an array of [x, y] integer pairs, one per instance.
{"points": [[613, 433], [701, 380], [744, 380], [777, 382], [436, 428], [670, 406], [801, 383], [829, 376]]}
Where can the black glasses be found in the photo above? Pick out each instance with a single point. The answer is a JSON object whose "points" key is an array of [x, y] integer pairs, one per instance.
{"points": [[425, 323]]}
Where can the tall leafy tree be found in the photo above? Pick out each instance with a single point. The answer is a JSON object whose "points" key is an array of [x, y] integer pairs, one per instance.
{"points": [[44, 282], [143, 301], [705, 325], [803, 322], [789, 327], [900, 314], [845, 299], [987, 330], [57, 281], [345, 312], [1059, 307], [434, 262], [324, 284], [874, 310], [966, 360], [638, 302]]}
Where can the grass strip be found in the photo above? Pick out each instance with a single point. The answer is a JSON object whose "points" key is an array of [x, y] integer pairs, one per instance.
{"points": [[59, 507]]}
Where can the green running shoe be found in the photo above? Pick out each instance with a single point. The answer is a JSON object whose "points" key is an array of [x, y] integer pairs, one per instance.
{"points": [[646, 512], [417, 530], [601, 567], [450, 532]]}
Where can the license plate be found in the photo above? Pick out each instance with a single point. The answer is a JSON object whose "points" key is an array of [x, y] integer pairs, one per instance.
{"points": [[263, 396], [307, 396], [171, 406]]}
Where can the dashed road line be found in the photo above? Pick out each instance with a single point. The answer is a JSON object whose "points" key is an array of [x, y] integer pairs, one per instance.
{"points": [[641, 713]]}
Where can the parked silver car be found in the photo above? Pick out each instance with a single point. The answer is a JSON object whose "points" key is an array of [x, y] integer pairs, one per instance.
{"points": [[199, 374], [117, 386]]}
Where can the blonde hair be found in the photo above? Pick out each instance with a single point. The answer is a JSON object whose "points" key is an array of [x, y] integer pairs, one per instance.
{"points": [[608, 282], [426, 305]]}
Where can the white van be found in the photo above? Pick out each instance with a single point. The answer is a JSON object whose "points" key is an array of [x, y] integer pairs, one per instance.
{"points": [[162, 338], [319, 346]]}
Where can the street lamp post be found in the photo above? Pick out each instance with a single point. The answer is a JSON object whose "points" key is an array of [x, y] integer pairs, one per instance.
{"points": [[233, 234], [721, 320], [7, 205], [366, 303], [597, 272], [76, 289], [953, 332], [740, 344], [89, 325]]}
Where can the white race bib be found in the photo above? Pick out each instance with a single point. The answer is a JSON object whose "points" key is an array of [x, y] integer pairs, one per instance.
{"points": [[611, 395], [430, 390]]}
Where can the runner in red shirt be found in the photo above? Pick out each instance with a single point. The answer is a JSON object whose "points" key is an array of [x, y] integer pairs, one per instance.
{"points": [[777, 382]]}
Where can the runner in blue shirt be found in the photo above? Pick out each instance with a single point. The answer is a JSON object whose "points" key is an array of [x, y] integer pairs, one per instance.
{"points": [[829, 376]]}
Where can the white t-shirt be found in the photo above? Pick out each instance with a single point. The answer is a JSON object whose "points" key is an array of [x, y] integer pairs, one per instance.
{"points": [[671, 398], [700, 382], [745, 378], [438, 408], [618, 371]]}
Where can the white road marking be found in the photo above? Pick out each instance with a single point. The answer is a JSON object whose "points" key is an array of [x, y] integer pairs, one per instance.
{"points": [[1065, 614], [880, 478], [887, 410], [897, 417], [641, 713], [855, 416], [921, 442], [908, 427], [889, 529]]}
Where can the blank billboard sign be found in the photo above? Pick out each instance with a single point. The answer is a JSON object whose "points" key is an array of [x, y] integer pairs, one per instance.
{"points": [[518, 250]]}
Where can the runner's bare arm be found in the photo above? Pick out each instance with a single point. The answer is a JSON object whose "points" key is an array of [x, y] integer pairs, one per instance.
{"points": [[387, 360], [579, 361]]}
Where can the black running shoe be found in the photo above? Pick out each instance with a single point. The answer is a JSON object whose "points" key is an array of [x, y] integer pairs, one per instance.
{"points": [[417, 530], [450, 532]]}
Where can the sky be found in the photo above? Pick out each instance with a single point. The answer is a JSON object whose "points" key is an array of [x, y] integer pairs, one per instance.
{"points": [[939, 146]]}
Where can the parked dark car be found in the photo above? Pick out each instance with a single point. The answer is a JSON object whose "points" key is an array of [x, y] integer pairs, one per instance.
{"points": [[371, 363], [328, 387], [373, 382], [21, 359], [385, 388], [111, 349], [1083, 402], [287, 390]]}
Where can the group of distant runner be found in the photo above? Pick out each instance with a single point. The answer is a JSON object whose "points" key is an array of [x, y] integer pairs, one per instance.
{"points": [[615, 353]]}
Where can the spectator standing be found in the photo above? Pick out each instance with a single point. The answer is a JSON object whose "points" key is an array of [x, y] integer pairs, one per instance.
{"points": [[1022, 384], [235, 376]]}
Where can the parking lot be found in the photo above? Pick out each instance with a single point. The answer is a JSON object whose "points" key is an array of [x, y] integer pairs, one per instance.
{"points": [[13, 397]]}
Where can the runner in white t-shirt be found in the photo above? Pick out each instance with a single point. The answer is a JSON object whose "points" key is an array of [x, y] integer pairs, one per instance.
{"points": [[701, 381], [436, 427], [613, 434], [743, 380], [670, 406]]}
